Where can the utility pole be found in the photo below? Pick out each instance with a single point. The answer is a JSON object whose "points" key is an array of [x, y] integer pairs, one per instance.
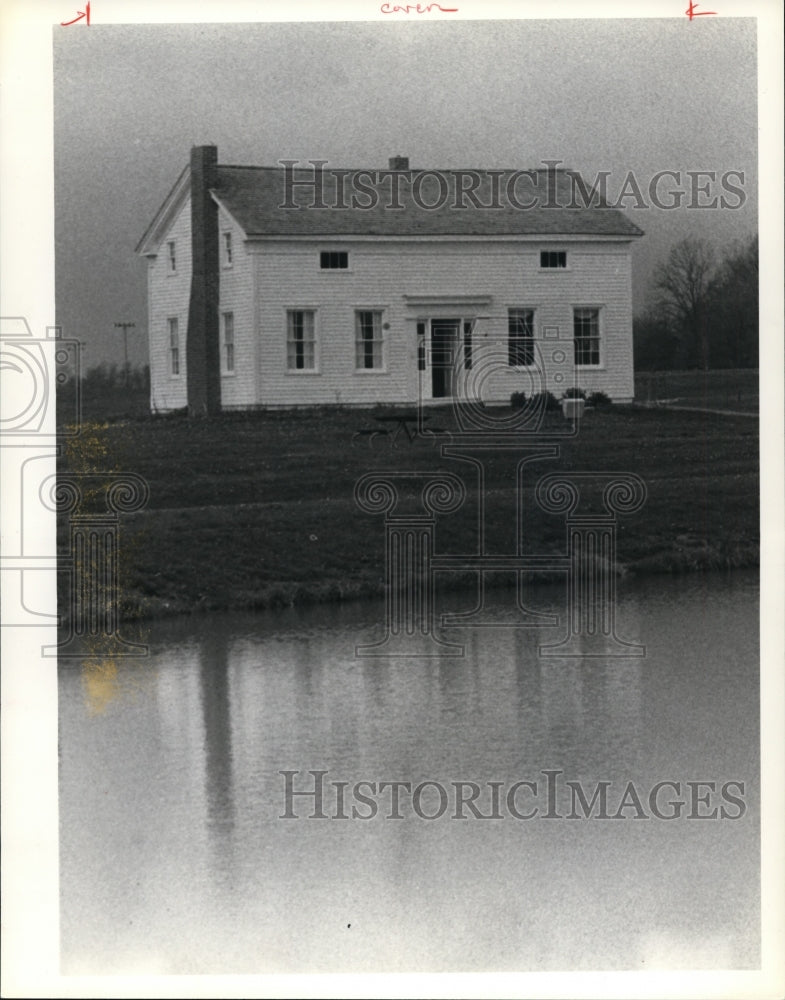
{"points": [[125, 327]]}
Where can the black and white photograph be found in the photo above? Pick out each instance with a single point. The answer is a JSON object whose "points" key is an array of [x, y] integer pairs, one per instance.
{"points": [[392, 443]]}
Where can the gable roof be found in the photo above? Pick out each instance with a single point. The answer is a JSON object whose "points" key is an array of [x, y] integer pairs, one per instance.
{"points": [[256, 197], [262, 200], [166, 214]]}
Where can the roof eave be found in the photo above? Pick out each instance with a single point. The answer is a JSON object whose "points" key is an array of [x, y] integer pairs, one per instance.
{"points": [[225, 208], [163, 218], [256, 237]]}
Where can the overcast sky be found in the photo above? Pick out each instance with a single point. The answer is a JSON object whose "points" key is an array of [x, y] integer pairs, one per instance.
{"points": [[629, 95]]}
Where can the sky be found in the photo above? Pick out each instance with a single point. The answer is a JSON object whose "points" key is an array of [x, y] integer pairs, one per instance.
{"points": [[640, 95]]}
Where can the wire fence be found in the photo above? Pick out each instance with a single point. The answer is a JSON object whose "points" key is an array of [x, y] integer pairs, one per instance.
{"points": [[713, 390]]}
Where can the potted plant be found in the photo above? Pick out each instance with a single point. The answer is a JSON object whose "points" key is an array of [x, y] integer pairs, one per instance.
{"points": [[573, 403]]}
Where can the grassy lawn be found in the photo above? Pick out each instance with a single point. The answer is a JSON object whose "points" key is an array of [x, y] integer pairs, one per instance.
{"points": [[722, 390], [257, 509]]}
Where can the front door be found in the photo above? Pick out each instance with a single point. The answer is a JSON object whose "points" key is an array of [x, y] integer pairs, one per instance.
{"points": [[444, 344]]}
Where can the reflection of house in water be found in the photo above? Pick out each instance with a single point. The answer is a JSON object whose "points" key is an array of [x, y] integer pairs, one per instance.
{"points": [[579, 693], [215, 692], [173, 852], [323, 694], [217, 720]]}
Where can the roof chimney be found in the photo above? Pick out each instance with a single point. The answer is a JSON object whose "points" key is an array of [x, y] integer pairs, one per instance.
{"points": [[399, 163], [203, 359]]}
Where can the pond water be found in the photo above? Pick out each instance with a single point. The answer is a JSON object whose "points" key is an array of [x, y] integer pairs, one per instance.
{"points": [[175, 858]]}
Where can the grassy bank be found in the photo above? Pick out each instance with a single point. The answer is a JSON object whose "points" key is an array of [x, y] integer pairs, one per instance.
{"points": [[258, 510], [719, 389]]}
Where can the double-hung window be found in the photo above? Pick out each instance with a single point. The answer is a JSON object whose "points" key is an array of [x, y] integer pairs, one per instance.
{"points": [[301, 340], [369, 341], [174, 345], [586, 334], [228, 341], [520, 337]]}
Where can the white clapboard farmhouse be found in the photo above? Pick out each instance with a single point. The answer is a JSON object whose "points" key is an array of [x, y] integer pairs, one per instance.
{"points": [[302, 284]]}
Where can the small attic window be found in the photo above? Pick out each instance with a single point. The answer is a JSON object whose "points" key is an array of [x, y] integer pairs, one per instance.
{"points": [[227, 249], [553, 258], [171, 256], [332, 260]]}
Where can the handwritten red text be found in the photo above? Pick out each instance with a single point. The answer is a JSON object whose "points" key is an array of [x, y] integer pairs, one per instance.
{"points": [[80, 14], [692, 11], [416, 8]]}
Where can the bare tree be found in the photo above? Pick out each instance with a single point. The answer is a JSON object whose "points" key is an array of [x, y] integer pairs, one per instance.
{"points": [[734, 305], [684, 281]]}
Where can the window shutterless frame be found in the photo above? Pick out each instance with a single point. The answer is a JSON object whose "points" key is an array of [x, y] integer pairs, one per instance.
{"points": [[553, 260], [334, 260], [587, 336], [520, 337], [173, 329], [369, 341], [302, 355], [227, 338]]}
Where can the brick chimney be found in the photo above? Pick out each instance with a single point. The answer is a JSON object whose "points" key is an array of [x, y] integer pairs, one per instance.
{"points": [[202, 343], [399, 163]]}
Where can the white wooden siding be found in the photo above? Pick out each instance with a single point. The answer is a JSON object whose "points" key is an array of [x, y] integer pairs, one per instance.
{"points": [[236, 296], [265, 280], [287, 276], [169, 294]]}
